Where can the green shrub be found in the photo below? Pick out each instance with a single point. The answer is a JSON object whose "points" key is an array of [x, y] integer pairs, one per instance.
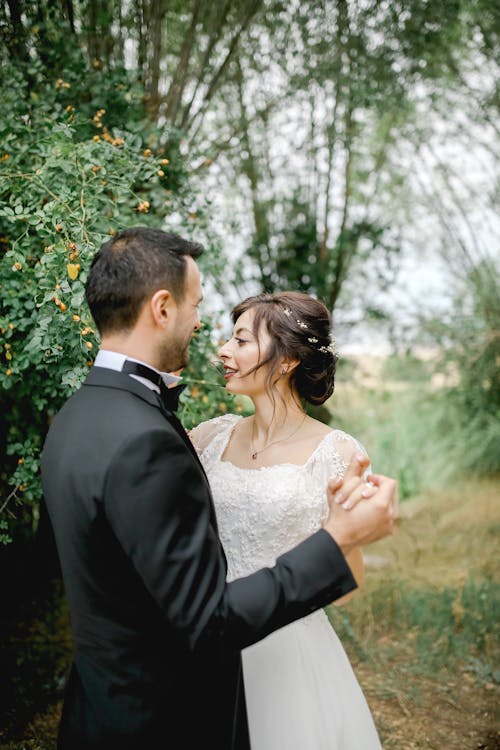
{"points": [[470, 342], [79, 162]]}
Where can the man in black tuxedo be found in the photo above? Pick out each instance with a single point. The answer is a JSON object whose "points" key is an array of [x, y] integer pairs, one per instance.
{"points": [[157, 630]]}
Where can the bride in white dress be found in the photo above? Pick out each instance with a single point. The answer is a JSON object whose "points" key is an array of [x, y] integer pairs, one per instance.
{"points": [[268, 474]]}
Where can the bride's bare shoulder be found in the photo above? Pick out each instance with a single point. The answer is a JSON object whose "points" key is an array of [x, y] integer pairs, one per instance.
{"points": [[318, 429]]}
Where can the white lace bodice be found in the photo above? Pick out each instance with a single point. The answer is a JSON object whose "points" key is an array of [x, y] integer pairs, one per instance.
{"points": [[264, 512]]}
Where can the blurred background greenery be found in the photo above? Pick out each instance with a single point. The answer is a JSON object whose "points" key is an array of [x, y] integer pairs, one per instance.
{"points": [[347, 149]]}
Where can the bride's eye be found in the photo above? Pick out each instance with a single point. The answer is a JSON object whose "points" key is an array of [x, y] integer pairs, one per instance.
{"points": [[240, 342]]}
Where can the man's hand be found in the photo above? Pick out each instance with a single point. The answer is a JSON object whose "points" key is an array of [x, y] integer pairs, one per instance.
{"points": [[361, 511]]}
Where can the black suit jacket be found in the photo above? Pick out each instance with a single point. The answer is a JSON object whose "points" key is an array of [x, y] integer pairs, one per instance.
{"points": [[157, 631]]}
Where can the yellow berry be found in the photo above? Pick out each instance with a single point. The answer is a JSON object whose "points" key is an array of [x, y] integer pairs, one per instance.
{"points": [[73, 270]]}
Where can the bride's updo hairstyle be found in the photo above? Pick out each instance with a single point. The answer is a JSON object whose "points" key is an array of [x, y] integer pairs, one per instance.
{"points": [[300, 329]]}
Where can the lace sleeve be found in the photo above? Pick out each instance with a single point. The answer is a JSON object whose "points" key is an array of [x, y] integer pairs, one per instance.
{"points": [[335, 454], [202, 435], [346, 445]]}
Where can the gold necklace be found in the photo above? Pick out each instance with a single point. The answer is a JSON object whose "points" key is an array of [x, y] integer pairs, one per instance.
{"points": [[255, 453]]}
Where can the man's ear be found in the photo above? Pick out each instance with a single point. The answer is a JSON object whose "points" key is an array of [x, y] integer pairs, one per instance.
{"points": [[161, 305]]}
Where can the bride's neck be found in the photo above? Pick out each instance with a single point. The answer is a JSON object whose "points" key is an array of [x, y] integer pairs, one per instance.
{"points": [[270, 419]]}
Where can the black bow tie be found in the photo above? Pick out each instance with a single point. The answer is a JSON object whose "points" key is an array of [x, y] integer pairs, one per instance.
{"points": [[168, 396]]}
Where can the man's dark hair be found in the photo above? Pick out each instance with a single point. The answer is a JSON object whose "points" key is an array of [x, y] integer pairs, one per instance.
{"points": [[130, 268]]}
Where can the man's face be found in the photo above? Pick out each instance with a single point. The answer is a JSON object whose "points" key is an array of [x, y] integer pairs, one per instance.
{"points": [[174, 353]]}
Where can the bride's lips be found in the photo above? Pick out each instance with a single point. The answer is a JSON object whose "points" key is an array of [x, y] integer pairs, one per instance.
{"points": [[229, 372]]}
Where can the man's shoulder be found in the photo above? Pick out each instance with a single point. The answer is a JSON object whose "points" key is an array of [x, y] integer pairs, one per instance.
{"points": [[107, 409]]}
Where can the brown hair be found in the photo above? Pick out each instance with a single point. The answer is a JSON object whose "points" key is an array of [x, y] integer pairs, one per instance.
{"points": [[131, 267], [300, 328]]}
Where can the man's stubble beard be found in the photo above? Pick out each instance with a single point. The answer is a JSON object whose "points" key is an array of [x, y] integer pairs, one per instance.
{"points": [[174, 355]]}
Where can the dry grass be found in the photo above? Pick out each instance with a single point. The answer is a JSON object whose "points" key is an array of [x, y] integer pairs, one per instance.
{"points": [[432, 685], [446, 536]]}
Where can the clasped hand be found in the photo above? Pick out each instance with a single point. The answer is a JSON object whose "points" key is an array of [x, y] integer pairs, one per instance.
{"points": [[361, 510]]}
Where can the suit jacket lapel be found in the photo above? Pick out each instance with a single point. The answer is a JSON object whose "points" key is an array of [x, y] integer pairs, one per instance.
{"points": [[177, 425], [105, 378]]}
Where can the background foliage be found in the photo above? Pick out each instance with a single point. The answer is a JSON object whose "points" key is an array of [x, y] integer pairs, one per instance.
{"points": [[318, 122], [80, 161], [317, 146]]}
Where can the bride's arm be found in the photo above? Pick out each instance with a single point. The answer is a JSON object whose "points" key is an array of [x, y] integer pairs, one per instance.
{"points": [[346, 447]]}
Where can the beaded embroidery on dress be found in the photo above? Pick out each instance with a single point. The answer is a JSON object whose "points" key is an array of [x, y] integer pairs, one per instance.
{"points": [[300, 689]]}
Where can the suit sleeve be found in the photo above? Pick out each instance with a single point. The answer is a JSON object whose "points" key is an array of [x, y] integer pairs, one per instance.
{"points": [[157, 503]]}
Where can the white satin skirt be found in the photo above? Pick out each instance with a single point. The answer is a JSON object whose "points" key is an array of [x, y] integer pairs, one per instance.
{"points": [[302, 693]]}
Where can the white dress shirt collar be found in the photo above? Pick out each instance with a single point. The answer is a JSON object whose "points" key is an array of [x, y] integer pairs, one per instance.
{"points": [[114, 361]]}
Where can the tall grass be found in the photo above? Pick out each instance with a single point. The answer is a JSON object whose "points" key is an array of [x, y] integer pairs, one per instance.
{"points": [[418, 433], [438, 626]]}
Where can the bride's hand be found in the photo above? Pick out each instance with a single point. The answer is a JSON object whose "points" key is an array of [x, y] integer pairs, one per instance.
{"points": [[361, 512], [348, 490]]}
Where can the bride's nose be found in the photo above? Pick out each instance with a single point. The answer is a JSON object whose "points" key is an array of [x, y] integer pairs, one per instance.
{"points": [[222, 352]]}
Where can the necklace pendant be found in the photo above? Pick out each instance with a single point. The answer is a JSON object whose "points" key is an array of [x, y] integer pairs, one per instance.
{"points": [[254, 455]]}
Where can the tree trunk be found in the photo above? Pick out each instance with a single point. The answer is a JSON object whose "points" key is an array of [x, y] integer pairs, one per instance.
{"points": [[249, 168], [218, 77], [215, 36], [16, 43], [174, 94], [71, 15], [156, 26]]}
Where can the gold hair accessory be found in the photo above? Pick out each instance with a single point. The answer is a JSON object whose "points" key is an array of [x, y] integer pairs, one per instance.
{"points": [[330, 349]]}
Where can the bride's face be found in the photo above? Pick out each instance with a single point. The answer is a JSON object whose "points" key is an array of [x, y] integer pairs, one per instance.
{"points": [[241, 354]]}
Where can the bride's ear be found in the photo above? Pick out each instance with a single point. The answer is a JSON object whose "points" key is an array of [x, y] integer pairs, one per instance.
{"points": [[288, 366]]}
